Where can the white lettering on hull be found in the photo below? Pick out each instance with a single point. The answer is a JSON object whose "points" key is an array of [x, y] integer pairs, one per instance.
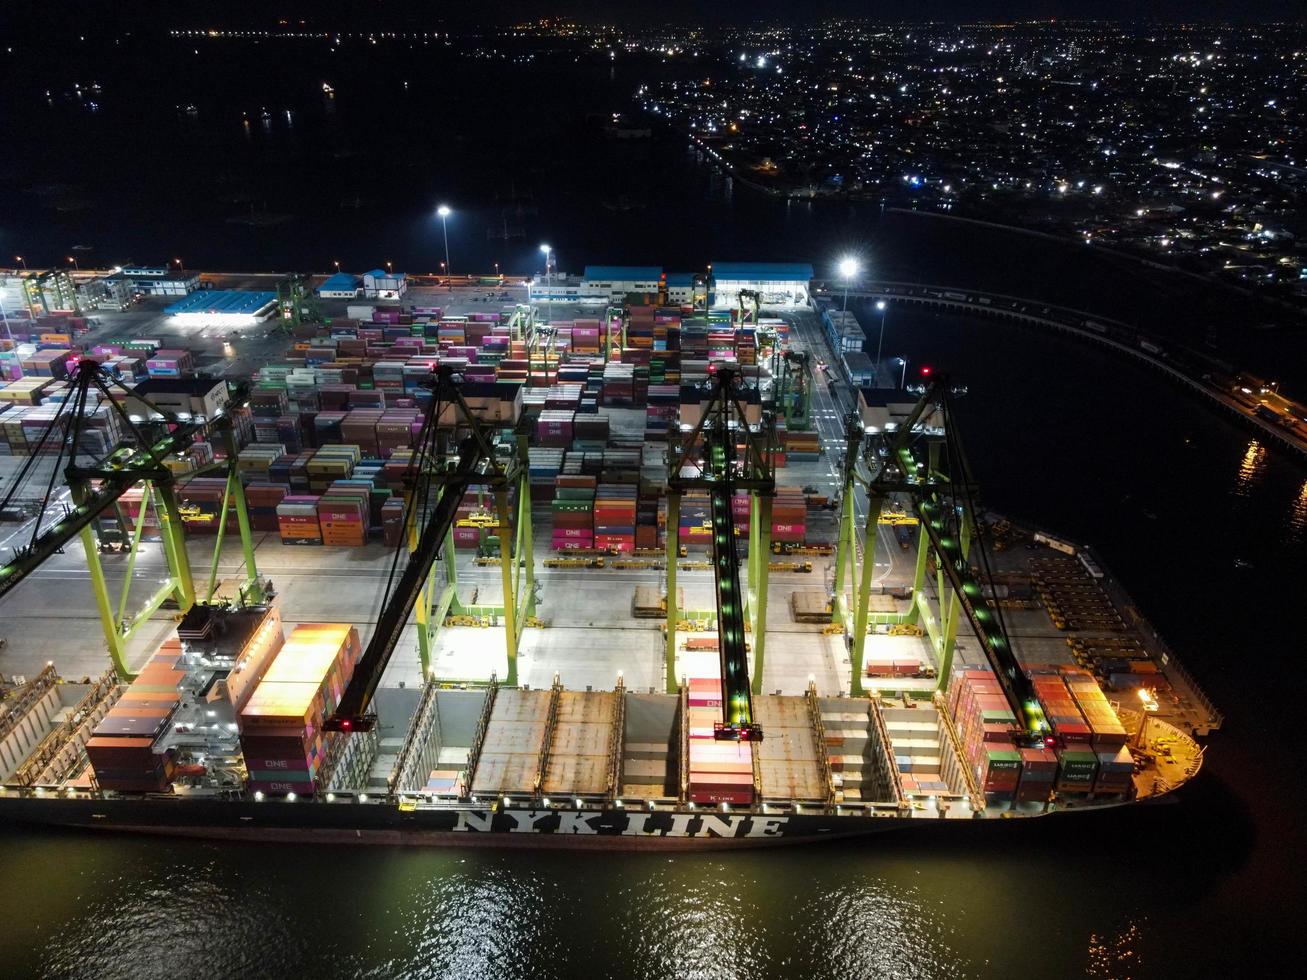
{"points": [[576, 823], [480, 821], [525, 823]]}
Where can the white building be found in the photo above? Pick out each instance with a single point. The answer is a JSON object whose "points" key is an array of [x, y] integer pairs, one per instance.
{"points": [[380, 284], [162, 282], [779, 283]]}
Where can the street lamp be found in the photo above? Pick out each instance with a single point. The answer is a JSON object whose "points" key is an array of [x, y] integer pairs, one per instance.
{"points": [[881, 305], [848, 269], [389, 267], [549, 284], [73, 260], [443, 211], [180, 267], [336, 263], [903, 377], [496, 268], [22, 261]]}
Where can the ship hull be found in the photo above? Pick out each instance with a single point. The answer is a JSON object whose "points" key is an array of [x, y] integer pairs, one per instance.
{"points": [[384, 824]]}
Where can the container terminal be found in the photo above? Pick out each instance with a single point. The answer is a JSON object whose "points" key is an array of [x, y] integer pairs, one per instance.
{"points": [[629, 559]]}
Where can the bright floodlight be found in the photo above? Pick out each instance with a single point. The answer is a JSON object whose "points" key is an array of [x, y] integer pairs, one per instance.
{"points": [[880, 304], [848, 268], [443, 211], [546, 249]]}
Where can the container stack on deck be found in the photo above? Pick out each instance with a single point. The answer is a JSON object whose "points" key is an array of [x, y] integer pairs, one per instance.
{"points": [[1090, 753], [122, 749], [281, 724], [719, 772], [985, 723]]}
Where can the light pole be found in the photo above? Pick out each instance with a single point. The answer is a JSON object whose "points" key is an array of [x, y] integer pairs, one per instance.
{"points": [[21, 261], [880, 305], [848, 269], [73, 260], [903, 377], [336, 263], [180, 267], [443, 211], [549, 284]]}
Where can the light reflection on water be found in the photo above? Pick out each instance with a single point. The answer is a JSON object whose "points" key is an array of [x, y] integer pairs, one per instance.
{"points": [[1298, 515], [1251, 468]]}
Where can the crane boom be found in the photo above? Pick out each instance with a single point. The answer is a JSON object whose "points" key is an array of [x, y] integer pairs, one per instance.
{"points": [[475, 462], [737, 700], [118, 473], [351, 712]]}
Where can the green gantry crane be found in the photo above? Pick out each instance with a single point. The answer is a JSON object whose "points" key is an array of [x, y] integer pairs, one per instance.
{"points": [[706, 458], [98, 485], [941, 492]]}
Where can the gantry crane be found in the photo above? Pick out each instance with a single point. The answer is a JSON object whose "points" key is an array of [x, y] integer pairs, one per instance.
{"points": [[99, 484], [706, 457], [941, 492], [456, 452]]}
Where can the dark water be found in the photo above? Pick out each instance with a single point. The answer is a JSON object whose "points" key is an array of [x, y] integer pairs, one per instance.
{"points": [[1059, 435]]}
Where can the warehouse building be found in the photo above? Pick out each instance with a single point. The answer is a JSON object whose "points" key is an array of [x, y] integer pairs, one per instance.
{"points": [[680, 288], [342, 285], [615, 282], [224, 308], [779, 283]]}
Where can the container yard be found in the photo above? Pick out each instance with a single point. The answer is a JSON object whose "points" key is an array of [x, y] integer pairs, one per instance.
{"points": [[524, 558]]}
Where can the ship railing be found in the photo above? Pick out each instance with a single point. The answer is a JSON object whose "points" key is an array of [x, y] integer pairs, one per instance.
{"points": [[616, 742], [401, 774], [819, 731], [973, 793], [483, 724], [683, 777], [22, 700], [1171, 662], [63, 748], [547, 741]]}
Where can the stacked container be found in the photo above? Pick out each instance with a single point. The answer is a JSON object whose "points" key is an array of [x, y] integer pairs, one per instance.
{"points": [[614, 516], [719, 772], [985, 724], [343, 516], [281, 724], [297, 520], [573, 512], [121, 750], [789, 515]]}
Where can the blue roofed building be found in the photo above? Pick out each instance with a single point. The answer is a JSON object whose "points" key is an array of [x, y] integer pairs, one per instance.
{"points": [[780, 283], [680, 288], [224, 307], [342, 285]]}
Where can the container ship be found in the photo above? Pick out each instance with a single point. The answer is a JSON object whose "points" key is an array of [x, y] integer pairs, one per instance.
{"points": [[240, 726]]}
